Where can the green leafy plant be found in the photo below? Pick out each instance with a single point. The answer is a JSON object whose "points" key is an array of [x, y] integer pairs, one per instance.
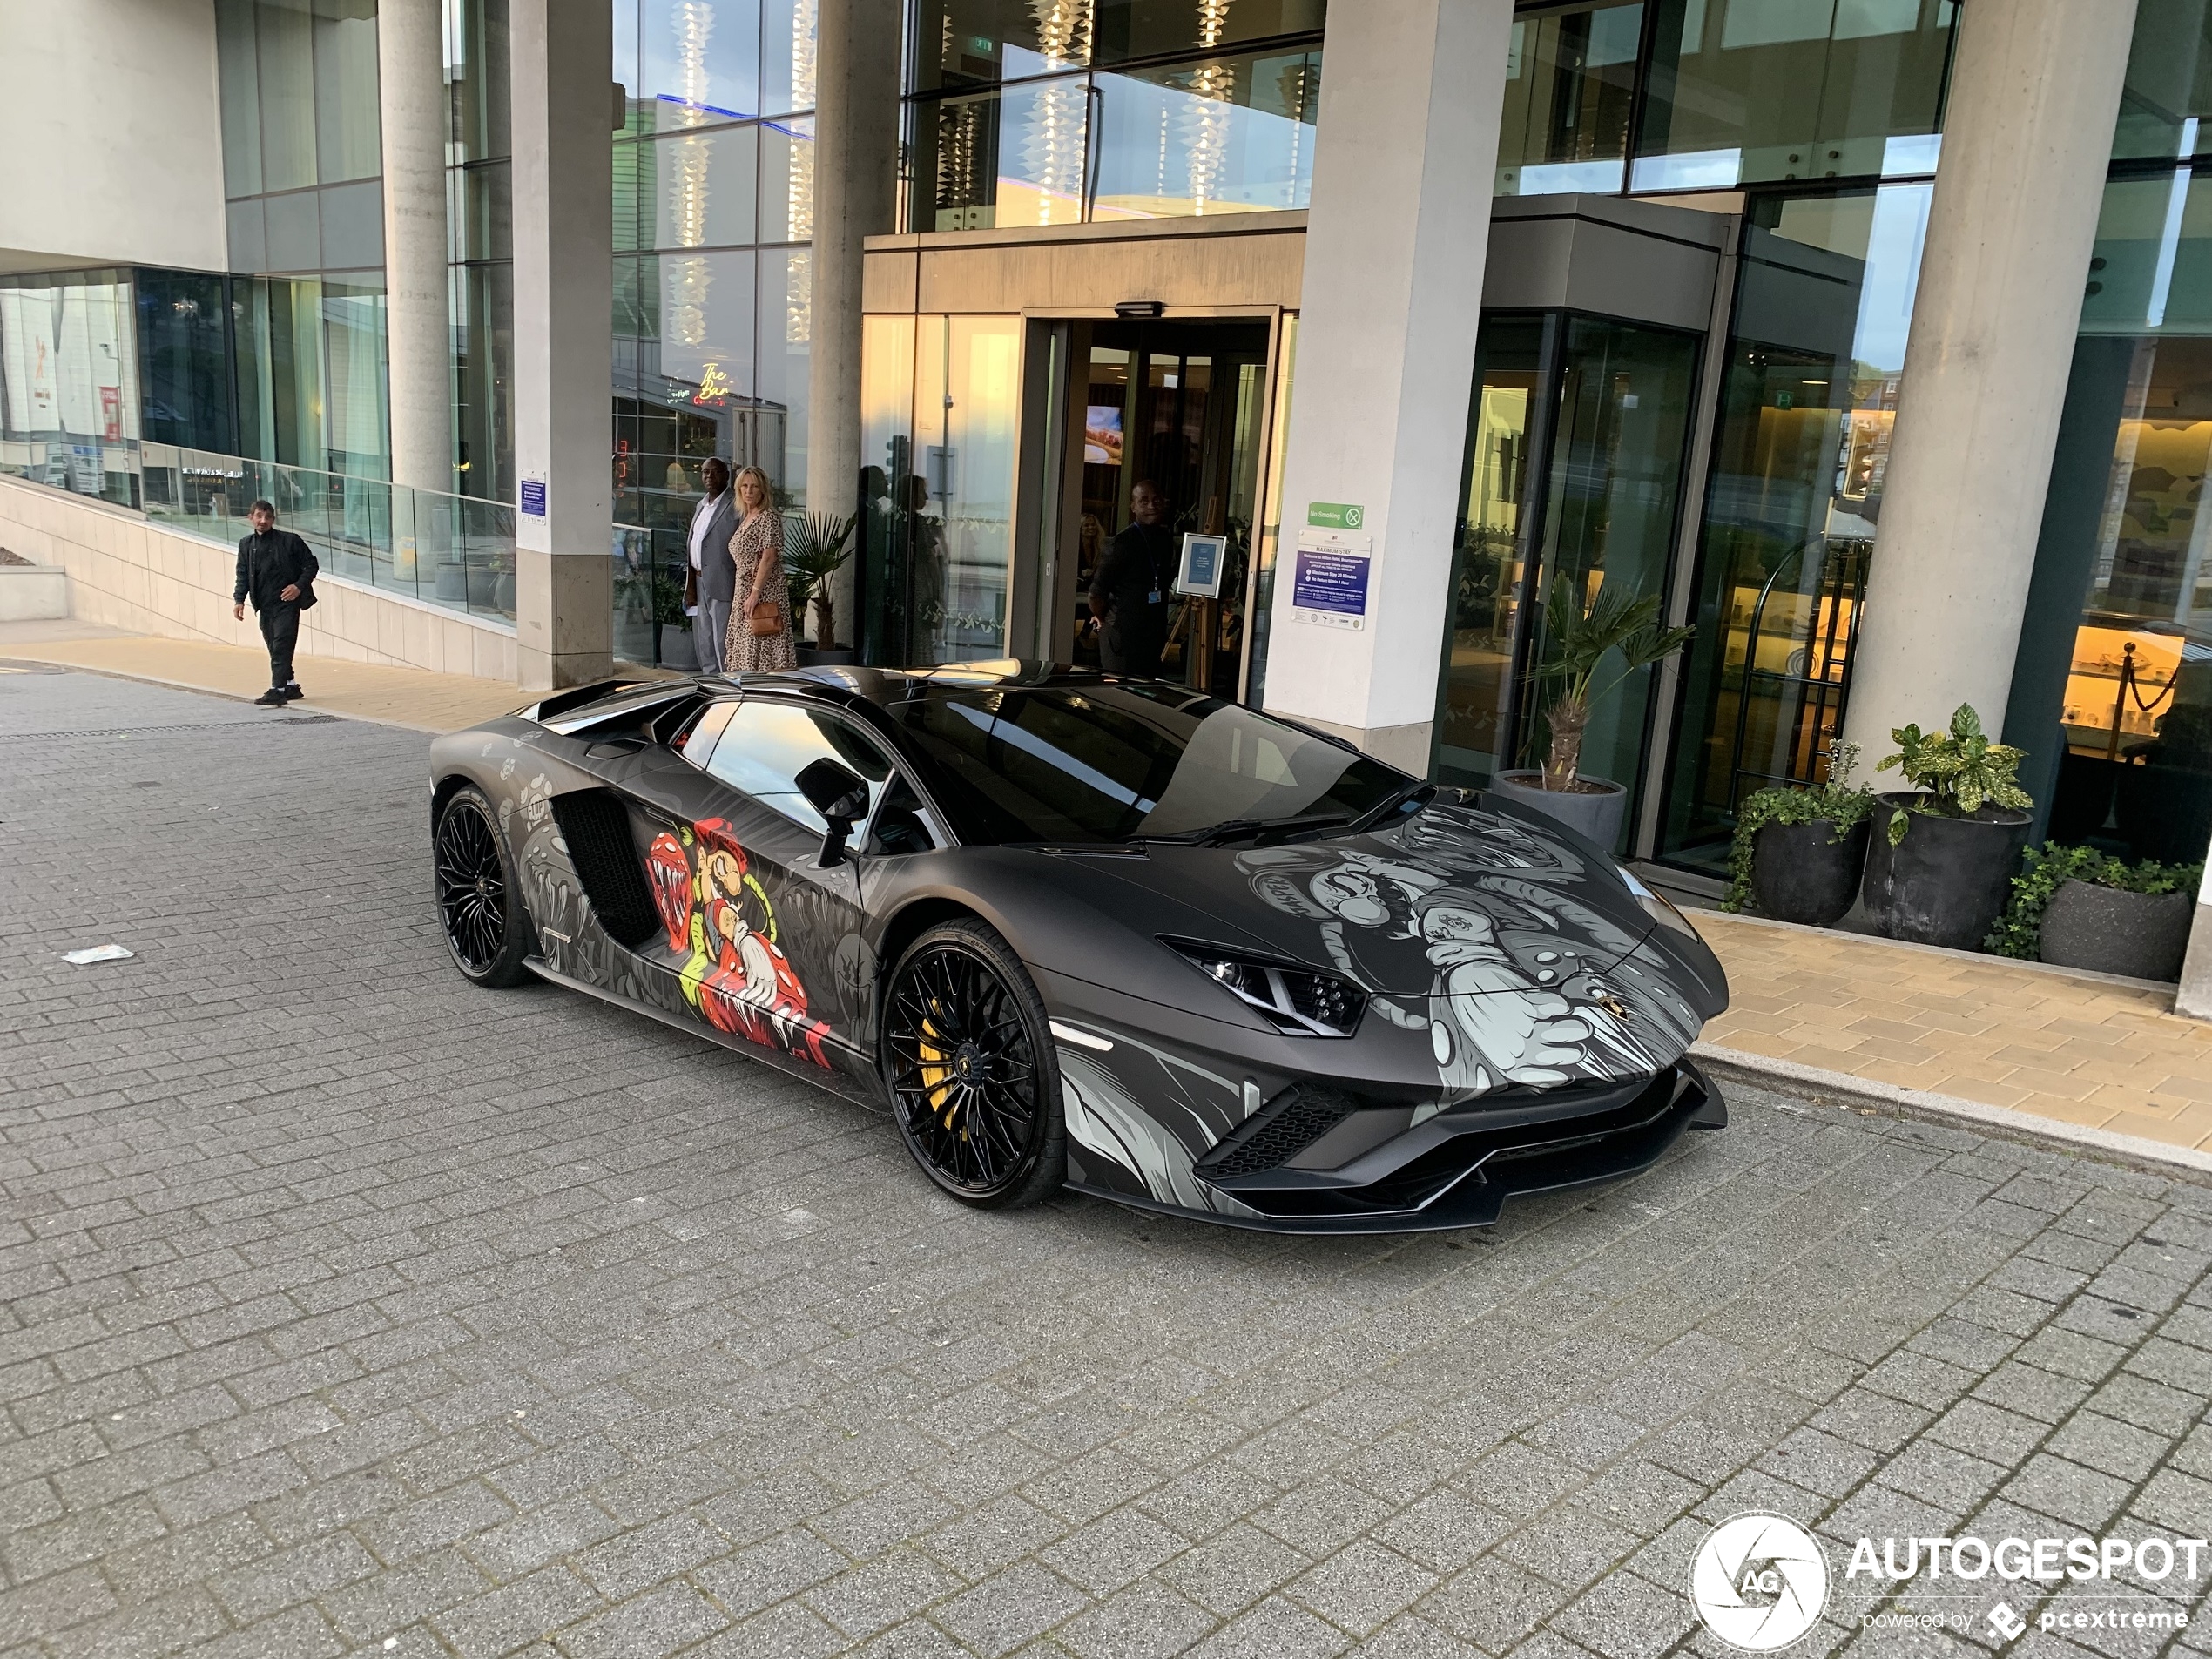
{"points": [[1960, 770], [668, 601], [815, 546], [1838, 802], [2047, 869], [1581, 639]]}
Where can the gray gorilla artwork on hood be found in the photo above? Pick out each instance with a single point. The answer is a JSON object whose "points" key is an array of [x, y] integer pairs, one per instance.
{"points": [[1528, 983]]}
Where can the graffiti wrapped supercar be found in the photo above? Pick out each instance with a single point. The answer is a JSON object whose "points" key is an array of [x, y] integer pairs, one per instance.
{"points": [[735, 975], [1528, 985]]}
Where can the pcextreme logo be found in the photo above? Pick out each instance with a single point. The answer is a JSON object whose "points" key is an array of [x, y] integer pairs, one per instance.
{"points": [[1759, 1582]]}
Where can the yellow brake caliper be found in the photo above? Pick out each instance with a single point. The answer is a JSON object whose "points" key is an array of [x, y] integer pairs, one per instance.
{"points": [[936, 1075]]}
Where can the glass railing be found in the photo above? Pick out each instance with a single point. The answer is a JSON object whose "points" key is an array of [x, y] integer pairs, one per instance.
{"points": [[455, 551]]}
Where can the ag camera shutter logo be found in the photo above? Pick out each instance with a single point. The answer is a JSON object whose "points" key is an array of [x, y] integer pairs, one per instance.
{"points": [[1759, 1582]]}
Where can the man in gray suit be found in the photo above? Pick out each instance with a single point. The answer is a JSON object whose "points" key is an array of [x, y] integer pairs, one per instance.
{"points": [[714, 520]]}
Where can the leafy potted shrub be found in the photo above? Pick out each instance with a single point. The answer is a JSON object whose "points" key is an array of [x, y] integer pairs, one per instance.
{"points": [[1799, 852], [1941, 861], [677, 650], [2075, 906], [1581, 640], [814, 549]]}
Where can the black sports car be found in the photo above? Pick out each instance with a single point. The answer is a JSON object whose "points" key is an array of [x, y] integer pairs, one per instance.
{"points": [[1076, 929]]}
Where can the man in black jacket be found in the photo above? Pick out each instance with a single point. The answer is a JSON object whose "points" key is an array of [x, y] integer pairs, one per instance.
{"points": [[277, 570], [1129, 590]]}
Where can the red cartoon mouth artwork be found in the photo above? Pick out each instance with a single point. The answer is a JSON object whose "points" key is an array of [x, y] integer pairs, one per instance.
{"points": [[671, 870], [737, 976]]}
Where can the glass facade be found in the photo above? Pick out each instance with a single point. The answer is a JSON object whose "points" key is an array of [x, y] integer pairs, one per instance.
{"points": [[1815, 359], [713, 327], [941, 405], [1576, 442], [2112, 693], [1686, 94], [1070, 110], [69, 383], [480, 250]]}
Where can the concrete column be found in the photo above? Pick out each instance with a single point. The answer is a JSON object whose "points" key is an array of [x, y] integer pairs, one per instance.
{"points": [[2027, 132], [563, 76], [1394, 249], [856, 196], [412, 107], [2195, 996]]}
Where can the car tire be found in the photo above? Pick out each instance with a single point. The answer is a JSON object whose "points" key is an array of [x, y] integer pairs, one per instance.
{"points": [[970, 1068], [480, 908]]}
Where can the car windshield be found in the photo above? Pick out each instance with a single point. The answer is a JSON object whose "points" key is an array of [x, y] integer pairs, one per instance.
{"points": [[1091, 764]]}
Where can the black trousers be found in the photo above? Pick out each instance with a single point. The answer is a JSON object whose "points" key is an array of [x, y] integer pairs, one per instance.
{"points": [[281, 628], [1132, 640]]}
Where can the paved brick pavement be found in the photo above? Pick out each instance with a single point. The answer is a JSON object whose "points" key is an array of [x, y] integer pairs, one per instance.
{"points": [[346, 1307]]}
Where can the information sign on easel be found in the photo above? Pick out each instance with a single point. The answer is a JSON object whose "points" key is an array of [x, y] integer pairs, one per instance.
{"points": [[1199, 576]]}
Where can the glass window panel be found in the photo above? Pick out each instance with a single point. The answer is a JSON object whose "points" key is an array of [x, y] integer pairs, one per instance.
{"points": [[348, 122], [1570, 76], [1229, 135], [2168, 89], [699, 60], [353, 227], [295, 231], [284, 33], [1003, 159], [241, 94], [976, 43], [966, 398], [247, 235], [786, 336], [1743, 92], [788, 179], [2112, 691], [699, 188], [766, 745], [623, 16], [355, 436], [481, 214], [787, 56], [1494, 526], [185, 360], [483, 300], [1815, 356], [685, 325], [476, 67], [1126, 28], [888, 485]]}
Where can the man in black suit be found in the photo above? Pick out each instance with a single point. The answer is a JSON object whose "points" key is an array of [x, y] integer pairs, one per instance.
{"points": [[1129, 590], [277, 570]]}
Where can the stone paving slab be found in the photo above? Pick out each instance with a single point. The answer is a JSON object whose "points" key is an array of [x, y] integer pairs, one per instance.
{"points": [[2082, 1050], [344, 1307]]}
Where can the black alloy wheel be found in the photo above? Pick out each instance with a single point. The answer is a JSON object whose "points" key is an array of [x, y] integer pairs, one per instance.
{"points": [[968, 1058], [476, 894]]}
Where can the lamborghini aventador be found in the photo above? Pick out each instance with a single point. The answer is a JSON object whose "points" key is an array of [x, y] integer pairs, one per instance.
{"points": [[1072, 929]]}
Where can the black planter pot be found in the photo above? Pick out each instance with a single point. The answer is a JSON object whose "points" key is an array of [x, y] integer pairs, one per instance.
{"points": [[2143, 935], [1806, 872], [1947, 882]]}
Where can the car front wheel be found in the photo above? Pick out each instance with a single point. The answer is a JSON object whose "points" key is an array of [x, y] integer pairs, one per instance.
{"points": [[485, 927], [973, 1079]]}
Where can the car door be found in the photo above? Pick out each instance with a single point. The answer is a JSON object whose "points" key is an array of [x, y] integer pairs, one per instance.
{"points": [[760, 939]]}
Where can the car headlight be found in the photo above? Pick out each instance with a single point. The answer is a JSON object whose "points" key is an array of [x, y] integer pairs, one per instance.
{"points": [[1298, 1001], [1659, 908]]}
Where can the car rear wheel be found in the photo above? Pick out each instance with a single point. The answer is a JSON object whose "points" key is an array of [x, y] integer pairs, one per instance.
{"points": [[968, 1059], [485, 927]]}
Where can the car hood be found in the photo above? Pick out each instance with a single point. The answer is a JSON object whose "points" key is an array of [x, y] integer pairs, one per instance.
{"points": [[1459, 899]]}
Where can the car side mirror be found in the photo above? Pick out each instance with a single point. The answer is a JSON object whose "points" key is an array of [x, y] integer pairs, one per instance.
{"points": [[840, 796]]}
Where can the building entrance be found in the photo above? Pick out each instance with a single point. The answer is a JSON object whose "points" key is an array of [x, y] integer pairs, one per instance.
{"points": [[1181, 406]]}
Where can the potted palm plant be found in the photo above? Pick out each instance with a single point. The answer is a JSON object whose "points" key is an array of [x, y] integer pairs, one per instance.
{"points": [[814, 549], [1943, 853], [1583, 638], [1799, 850]]}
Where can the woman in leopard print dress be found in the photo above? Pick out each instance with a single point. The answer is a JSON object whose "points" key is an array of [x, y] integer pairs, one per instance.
{"points": [[758, 551]]}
